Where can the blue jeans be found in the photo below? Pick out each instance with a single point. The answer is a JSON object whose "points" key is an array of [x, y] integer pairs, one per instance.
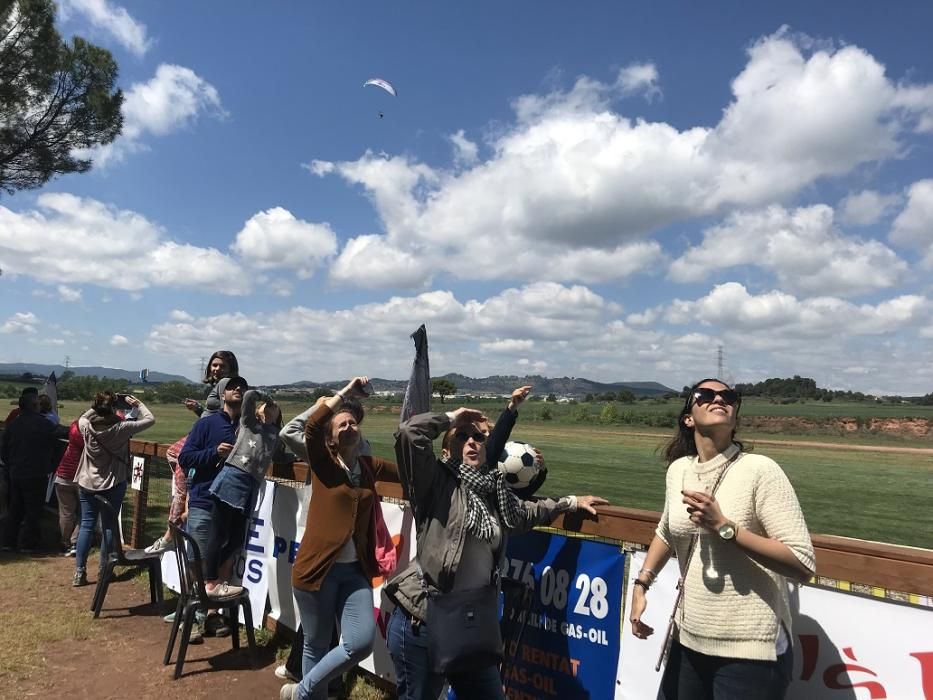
{"points": [[199, 527], [408, 645], [90, 509], [345, 592], [690, 675]]}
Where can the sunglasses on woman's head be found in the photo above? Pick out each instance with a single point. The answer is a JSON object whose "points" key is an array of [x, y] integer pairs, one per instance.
{"points": [[464, 436], [705, 395]]}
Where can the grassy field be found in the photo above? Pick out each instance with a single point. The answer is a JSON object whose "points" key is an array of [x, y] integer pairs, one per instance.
{"points": [[869, 495]]}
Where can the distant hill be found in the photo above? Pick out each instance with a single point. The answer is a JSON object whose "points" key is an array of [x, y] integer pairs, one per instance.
{"points": [[503, 385], [18, 368]]}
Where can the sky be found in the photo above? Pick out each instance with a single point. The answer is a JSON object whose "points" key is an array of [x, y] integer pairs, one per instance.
{"points": [[590, 189]]}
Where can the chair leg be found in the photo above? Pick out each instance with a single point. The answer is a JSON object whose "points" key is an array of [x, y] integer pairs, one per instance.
{"points": [[233, 620], [176, 623], [102, 587], [250, 633], [155, 574], [185, 636]]}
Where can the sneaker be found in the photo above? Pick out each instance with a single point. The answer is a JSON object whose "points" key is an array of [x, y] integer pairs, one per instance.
{"points": [[159, 546], [224, 590], [215, 625], [196, 636], [169, 618], [289, 691], [72, 551], [286, 675], [80, 578]]}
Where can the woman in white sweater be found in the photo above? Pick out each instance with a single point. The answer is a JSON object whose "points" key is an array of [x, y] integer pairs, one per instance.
{"points": [[732, 635]]}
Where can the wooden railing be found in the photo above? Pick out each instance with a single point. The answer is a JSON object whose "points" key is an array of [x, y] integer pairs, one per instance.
{"points": [[888, 566]]}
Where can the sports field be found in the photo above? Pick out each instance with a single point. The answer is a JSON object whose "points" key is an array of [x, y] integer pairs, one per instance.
{"points": [[877, 494]]}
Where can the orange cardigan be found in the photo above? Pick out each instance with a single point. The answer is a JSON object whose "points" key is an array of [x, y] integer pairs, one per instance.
{"points": [[337, 508]]}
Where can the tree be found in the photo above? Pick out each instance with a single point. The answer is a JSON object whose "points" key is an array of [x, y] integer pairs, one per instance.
{"points": [[443, 388], [54, 97]]}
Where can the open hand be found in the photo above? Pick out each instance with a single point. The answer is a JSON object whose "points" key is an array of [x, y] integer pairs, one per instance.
{"points": [[588, 503]]}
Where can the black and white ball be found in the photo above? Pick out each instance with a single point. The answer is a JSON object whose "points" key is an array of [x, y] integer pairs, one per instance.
{"points": [[521, 466]]}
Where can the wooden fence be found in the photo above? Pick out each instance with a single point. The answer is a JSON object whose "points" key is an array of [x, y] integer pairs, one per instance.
{"points": [[876, 564]]}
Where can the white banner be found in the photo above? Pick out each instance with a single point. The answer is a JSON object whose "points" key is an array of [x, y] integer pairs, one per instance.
{"points": [[288, 525], [846, 647], [253, 566], [401, 527], [136, 478]]}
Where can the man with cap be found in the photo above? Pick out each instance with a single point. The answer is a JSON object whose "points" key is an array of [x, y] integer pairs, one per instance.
{"points": [[209, 443]]}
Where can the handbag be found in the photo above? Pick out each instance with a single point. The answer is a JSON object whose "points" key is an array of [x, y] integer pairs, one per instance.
{"points": [[669, 635], [464, 628]]}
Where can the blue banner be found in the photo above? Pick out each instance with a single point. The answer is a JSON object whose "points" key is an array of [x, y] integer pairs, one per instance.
{"points": [[569, 626]]}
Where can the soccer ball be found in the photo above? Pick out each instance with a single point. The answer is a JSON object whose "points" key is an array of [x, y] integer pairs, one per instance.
{"points": [[523, 471]]}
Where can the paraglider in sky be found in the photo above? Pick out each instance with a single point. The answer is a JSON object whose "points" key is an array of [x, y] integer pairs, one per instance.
{"points": [[385, 85]]}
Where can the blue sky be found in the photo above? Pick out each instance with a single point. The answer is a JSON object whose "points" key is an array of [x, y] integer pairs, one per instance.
{"points": [[607, 190]]}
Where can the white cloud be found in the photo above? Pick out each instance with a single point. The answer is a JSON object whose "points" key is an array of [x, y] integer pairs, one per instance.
{"points": [[913, 227], [508, 345], [20, 322], [276, 239], [465, 151], [640, 77], [67, 294], [370, 261], [867, 207], [803, 248], [572, 176], [174, 99], [113, 19], [180, 315], [99, 244], [118, 340], [730, 306], [571, 330]]}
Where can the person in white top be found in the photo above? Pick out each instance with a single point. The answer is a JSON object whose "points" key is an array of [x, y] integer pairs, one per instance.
{"points": [[732, 627]]}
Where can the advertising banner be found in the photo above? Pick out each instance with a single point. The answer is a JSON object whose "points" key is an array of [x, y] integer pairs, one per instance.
{"points": [[253, 565], [561, 639], [846, 646]]}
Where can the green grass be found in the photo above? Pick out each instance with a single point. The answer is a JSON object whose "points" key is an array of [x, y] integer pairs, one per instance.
{"points": [[29, 629], [869, 495]]}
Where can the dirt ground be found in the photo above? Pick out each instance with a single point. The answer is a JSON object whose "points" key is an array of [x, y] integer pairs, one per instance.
{"points": [[122, 658]]}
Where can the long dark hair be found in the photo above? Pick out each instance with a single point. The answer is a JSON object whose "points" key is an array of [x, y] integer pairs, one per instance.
{"points": [[233, 367], [683, 443]]}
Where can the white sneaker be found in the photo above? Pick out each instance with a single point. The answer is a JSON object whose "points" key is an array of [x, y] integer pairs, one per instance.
{"points": [[289, 691], [159, 546], [282, 672], [224, 590]]}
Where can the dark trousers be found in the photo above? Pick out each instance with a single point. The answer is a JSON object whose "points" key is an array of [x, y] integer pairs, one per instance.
{"points": [[26, 498], [227, 535], [690, 675]]}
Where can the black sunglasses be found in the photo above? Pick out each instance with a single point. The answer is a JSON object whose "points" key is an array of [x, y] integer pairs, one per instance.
{"points": [[477, 436], [705, 395]]}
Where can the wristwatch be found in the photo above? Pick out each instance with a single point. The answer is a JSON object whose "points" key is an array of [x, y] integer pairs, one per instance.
{"points": [[728, 530]]}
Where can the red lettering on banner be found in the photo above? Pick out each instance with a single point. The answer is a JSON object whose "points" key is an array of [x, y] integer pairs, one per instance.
{"points": [[926, 672], [810, 644], [832, 673]]}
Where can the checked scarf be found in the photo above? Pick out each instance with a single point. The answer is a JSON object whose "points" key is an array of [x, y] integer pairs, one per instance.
{"points": [[480, 483]]}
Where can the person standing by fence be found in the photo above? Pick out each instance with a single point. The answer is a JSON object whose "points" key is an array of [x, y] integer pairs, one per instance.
{"points": [[103, 469], [67, 492], [736, 526]]}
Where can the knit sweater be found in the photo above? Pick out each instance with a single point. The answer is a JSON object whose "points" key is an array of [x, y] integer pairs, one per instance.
{"points": [[732, 605]]}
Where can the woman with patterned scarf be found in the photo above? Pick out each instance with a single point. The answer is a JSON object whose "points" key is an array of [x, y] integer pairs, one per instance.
{"points": [[464, 513]]}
